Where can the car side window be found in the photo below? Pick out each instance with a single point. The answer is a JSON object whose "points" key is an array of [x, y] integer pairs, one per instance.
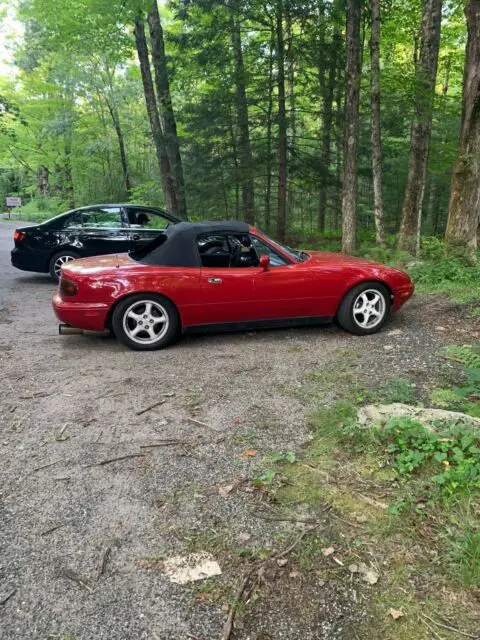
{"points": [[218, 250], [147, 219], [103, 218], [73, 222], [264, 249]]}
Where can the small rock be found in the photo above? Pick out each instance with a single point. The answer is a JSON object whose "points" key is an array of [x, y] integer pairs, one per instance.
{"points": [[388, 347], [328, 551], [353, 568], [321, 583], [282, 562], [440, 329], [224, 491], [395, 613], [394, 332], [361, 519], [368, 574], [295, 574], [243, 537]]}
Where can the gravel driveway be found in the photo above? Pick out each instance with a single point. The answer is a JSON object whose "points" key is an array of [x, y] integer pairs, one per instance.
{"points": [[71, 403]]}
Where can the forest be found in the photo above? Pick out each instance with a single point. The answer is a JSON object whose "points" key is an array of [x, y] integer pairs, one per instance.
{"points": [[341, 120]]}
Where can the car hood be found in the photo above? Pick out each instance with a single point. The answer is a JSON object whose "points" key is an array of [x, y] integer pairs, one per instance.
{"points": [[340, 259]]}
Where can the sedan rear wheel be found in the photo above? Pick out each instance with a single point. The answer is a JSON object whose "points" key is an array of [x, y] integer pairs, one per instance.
{"points": [[145, 322], [57, 261], [365, 308]]}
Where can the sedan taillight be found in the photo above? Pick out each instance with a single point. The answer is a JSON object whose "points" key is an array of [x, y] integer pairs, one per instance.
{"points": [[68, 288], [19, 236]]}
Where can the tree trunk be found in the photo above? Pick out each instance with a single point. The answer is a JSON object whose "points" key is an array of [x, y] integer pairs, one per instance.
{"points": [[166, 108], [351, 127], [464, 209], [426, 72], [376, 125], [282, 126], [268, 186], [245, 159], [327, 127], [121, 144], [42, 181], [292, 119], [168, 186], [112, 108]]}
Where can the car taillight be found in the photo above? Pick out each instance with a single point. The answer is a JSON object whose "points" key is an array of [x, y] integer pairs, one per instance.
{"points": [[18, 236], [68, 288]]}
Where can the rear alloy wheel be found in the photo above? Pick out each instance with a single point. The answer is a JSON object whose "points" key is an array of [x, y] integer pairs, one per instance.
{"points": [[145, 322], [365, 308], [58, 260]]}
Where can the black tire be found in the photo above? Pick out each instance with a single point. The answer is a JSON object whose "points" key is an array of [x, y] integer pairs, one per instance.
{"points": [[124, 322], [64, 256], [350, 314]]}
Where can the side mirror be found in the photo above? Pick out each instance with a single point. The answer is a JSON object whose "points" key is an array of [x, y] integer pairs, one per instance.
{"points": [[265, 262]]}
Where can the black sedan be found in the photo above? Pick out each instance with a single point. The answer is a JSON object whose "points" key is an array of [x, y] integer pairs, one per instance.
{"points": [[88, 231]]}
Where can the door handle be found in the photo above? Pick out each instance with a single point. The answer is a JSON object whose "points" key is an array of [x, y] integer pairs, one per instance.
{"points": [[215, 280]]}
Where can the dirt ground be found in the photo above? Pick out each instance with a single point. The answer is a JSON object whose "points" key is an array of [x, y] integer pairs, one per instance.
{"points": [[70, 403]]}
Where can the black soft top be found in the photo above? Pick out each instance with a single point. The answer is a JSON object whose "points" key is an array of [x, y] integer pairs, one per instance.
{"points": [[177, 246]]}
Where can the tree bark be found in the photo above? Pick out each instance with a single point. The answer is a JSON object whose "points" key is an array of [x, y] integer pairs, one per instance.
{"points": [[464, 208], [327, 124], [282, 126], [426, 72], [168, 186], [42, 181], [376, 137], [268, 186], [351, 127], [245, 158], [166, 108], [292, 119], [112, 108]]}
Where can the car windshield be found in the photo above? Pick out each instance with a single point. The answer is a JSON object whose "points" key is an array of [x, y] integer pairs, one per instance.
{"points": [[298, 256]]}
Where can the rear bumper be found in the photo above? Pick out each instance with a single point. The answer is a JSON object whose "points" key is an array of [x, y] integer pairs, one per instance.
{"points": [[401, 295], [28, 260], [90, 316]]}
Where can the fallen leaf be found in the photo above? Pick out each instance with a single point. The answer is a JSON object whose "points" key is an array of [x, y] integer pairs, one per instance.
{"points": [[295, 574], [388, 347], [353, 568], [196, 566], [361, 519], [328, 551], [249, 489], [251, 453], [224, 491], [395, 613], [282, 562]]}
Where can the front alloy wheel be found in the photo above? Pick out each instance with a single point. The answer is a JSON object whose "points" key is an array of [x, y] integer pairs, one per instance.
{"points": [[365, 308], [145, 321]]}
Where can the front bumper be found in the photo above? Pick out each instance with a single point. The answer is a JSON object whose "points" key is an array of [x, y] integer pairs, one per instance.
{"points": [[90, 316], [401, 295]]}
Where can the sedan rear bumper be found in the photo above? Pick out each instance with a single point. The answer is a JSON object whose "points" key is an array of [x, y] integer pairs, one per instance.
{"points": [[90, 316]]}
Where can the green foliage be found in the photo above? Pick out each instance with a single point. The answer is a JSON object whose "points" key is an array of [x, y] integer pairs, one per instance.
{"points": [[465, 394], [449, 457], [388, 391], [465, 556]]}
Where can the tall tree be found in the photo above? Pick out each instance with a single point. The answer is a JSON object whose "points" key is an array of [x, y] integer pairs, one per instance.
{"points": [[351, 127], [329, 90], [426, 73], [464, 210], [376, 124], [282, 126], [168, 119], [245, 159], [168, 185]]}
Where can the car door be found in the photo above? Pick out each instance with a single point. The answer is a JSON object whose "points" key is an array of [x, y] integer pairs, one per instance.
{"points": [[102, 230], [285, 289], [145, 225], [227, 291]]}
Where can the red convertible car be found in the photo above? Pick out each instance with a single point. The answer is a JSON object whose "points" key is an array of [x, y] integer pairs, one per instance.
{"points": [[213, 276]]}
